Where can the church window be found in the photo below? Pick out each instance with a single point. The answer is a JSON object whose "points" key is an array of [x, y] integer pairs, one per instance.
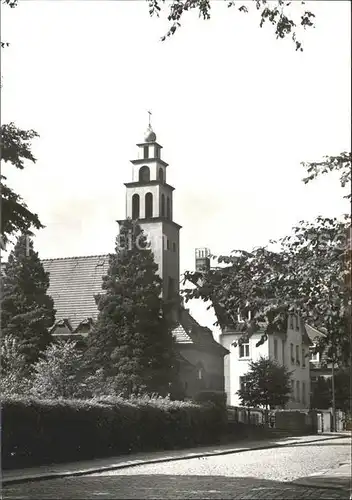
{"points": [[161, 175], [174, 247], [162, 205], [157, 152], [168, 208], [146, 152], [148, 205], [168, 244], [135, 206], [144, 174]]}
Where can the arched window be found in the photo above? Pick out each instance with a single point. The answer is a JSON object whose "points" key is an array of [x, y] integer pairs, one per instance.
{"points": [[135, 206], [162, 210], [168, 208], [161, 175], [144, 174], [148, 205]]}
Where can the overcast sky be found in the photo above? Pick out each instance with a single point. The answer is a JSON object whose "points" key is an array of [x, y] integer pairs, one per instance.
{"points": [[235, 110]]}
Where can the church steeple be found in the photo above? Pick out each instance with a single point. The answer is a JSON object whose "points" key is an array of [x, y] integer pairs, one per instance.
{"points": [[149, 195], [149, 199]]}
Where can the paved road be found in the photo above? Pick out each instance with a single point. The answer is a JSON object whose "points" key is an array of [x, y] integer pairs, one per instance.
{"points": [[262, 474]]}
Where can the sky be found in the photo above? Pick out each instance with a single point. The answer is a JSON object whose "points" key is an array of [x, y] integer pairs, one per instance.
{"points": [[235, 109]]}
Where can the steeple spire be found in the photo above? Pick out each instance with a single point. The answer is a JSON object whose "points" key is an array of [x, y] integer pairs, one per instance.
{"points": [[150, 135]]}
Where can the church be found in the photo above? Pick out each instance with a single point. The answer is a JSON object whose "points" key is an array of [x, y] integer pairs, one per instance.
{"points": [[74, 281]]}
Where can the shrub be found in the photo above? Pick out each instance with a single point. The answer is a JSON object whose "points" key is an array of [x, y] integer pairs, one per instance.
{"points": [[218, 398], [59, 373], [15, 375], [46, 431]]}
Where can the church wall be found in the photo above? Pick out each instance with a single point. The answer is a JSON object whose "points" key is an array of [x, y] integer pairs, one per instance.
{"points": [[153, 167], [142, 191], [171, 258], [212, 364], [154, 233]]}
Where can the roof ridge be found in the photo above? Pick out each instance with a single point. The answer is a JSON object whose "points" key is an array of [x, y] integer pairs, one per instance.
{"points": [[76, 257]]}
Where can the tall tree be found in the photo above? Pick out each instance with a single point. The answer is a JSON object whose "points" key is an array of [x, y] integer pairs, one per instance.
{"points": [[284, 16], [305, 274], [15, 215], [322, 392], [267, 384], [339, 163], [27, 311], [132, 339]]}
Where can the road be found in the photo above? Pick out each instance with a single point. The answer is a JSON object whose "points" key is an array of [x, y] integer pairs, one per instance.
{"points": [[262, 474]]}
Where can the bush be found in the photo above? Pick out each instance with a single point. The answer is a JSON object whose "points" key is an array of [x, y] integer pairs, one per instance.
{"points": [[47, 431], [218, 398]]}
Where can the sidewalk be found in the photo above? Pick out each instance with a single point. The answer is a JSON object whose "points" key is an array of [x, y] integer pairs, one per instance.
{"points": [[338, 478], [123, 461]]}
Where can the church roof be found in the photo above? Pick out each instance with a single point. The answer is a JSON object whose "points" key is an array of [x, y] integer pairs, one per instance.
{"points": [[73, 283]]}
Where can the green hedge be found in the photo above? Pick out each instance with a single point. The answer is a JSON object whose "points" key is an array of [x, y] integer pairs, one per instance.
{"points": [[42, 431]]}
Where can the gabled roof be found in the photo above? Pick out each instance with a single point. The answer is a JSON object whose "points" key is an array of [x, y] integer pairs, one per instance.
{"points": [[73, 283], [313, 333], [189, 331]]}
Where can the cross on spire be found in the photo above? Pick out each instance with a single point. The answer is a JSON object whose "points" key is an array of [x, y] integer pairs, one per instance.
{"points": [[150, 114]]}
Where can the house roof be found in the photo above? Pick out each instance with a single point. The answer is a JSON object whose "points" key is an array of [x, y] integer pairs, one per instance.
{"points": [[313, 333]]}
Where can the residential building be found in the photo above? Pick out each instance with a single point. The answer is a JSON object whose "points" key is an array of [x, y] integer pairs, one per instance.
{"points": [[289, 348]]}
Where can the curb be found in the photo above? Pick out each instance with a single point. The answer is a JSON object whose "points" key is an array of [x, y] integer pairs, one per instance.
{"points": [[125, 465]]}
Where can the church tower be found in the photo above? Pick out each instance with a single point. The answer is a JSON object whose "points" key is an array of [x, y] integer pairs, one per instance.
{"points": [[149, 199]]}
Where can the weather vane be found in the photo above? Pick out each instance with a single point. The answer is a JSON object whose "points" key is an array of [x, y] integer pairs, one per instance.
{"points": [[150, 114]]}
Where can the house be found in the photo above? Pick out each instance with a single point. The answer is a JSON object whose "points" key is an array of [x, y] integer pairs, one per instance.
{"points": [[319, 363], [74, 281], [289, 348]]}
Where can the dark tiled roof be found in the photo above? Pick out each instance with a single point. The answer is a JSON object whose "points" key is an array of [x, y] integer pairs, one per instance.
{"points": [[73, 283], [189, 331]]}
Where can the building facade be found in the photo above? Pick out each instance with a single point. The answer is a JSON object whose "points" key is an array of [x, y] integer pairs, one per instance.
{"points": [[290, 348]]}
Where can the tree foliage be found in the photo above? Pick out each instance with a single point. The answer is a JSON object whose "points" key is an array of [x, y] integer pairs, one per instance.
{"points": [[14, 370], [267, 385], [132, 338], [27, 310], [284, 16], [16, 150], [340, 163], [322, 392], [305, 275], [60, 373]]}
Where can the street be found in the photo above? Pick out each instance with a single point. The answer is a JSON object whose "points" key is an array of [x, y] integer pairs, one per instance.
{"points": [[268, 473]]}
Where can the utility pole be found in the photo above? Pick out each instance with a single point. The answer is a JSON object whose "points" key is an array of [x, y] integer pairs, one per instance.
{"points": [[333, 395]]}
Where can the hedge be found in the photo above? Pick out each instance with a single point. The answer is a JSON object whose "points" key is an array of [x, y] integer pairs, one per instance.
{"points": [[51, 431]]}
